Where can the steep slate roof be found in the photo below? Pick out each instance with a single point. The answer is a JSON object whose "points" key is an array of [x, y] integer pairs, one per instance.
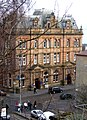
{"points": [[43, 16]]}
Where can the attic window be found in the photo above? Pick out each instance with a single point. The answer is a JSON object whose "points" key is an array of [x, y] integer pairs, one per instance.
{"points": [[73, 23], [49, 25]]}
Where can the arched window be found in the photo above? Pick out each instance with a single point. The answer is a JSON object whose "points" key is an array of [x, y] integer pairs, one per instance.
{"points": [[35, 59], [22, 44], [35, 44], [45, 43], [46, 77], [56, 76], [76, 43], [58, 43], [55, 43], [49, 43]]}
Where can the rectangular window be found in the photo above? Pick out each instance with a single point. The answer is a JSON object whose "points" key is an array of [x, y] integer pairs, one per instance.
{"points": [[35, 44], [68, 43], [44, 59], [35, 59], [74, 56], [22, 44], [58, 43], [54, 57], [58, 57], [67, 57], [48, 58], [24, 60], [45, 43], [49, 44]]}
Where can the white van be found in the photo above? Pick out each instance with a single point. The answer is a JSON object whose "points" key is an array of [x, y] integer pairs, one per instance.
{"points": [[47, 116], [3, 115]]}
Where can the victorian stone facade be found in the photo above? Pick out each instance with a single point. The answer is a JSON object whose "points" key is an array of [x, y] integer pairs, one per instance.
{"points": [[46, 50]]}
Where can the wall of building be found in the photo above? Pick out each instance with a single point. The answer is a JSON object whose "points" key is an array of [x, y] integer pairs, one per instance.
{"points": [[81, 71]]}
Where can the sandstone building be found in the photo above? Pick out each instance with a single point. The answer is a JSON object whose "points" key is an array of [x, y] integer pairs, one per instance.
{"points": [[46, 50]]}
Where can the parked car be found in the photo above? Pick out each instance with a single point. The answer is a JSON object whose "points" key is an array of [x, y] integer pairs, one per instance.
{"points": [[36, 113], [66, 96], [47, 116], [2, 93], [55, 90]]}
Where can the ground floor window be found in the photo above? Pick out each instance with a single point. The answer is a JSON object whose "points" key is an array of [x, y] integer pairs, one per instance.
{"points": [[55, 76], [45, 77]]}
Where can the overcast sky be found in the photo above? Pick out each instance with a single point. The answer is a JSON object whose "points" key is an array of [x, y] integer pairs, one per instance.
{"points": [[76, 8]]}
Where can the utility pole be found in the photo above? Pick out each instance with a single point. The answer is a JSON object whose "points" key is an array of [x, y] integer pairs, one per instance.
{"points": [[30, 58]]}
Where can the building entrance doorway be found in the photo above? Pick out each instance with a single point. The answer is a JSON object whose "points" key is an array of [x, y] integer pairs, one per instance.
{"points": [[69, 81], [37, 83]]}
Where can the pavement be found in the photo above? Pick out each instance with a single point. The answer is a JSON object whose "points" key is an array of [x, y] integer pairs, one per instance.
{"points": [[31, 93], [39, 91]]}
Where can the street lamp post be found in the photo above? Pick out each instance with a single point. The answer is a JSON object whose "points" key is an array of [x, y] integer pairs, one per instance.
{"points": [[63, 27], [20, 81], [30, 58]]}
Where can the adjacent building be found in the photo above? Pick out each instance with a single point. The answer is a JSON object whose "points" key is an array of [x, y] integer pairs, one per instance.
{"points": [[81, 69]]}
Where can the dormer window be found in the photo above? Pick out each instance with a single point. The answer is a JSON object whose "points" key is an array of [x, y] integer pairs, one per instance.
{"points": [[48, 25], [76, 43]]}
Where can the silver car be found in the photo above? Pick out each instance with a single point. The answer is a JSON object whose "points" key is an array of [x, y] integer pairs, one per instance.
{"points": [[36, 113]]}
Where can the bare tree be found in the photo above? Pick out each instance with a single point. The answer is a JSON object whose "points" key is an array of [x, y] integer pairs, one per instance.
{"points": [[11, 12]]}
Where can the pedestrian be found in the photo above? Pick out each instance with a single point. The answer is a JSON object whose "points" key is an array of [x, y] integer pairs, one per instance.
{"points": [[25, 105], [35, 104], [35, 90], [29, 105]]}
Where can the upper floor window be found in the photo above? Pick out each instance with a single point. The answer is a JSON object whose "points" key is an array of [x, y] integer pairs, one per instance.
{"points": [[35, 59], [35, 44], [45, 43], [68, 43], [56, 57], [49, 43], [76, 43], [22, 60], [22, 44], [74, 56], [55, 43], [46, 58], [58, 41], [48, 25], [67, 57]]}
